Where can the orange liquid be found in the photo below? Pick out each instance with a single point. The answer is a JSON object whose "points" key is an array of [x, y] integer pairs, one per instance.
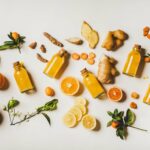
{"points": [[147, 97]]}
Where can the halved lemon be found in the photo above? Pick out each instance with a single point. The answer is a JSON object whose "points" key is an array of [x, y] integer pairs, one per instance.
{"points": [[115, 94], [77, 112], [81, 100], [82, 108], [70, 85], [89, 122], [69, 120]]}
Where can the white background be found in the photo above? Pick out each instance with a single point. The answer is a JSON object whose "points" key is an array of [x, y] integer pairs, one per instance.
{"points": [[63, 19]]}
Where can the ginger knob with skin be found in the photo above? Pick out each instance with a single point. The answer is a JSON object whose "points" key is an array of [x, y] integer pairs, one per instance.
{"points": [[107, 70]]}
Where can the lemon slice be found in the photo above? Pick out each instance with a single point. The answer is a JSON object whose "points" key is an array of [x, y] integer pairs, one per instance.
{"points": [[82, 108], [89, 122], [81, 100], [77, 112], [69, 120]]}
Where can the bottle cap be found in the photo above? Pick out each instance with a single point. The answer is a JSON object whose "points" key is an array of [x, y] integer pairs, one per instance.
{"points": [[137, 47], [62, 52], [16, 63], [84, 71]]}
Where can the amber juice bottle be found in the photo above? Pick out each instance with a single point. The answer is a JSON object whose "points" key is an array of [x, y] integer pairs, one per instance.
{"points": [[22, 78], [147, 96], [92, 84], [57, 64], [133, 61]]}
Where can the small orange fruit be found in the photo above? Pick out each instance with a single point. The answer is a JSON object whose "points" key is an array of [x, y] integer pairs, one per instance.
{"points": [[115, 124], [15, 35], [92, 55], [90, 61], [75, 56], [84, 56], [2, 81], [115, 94], [49, 91], [70, 85]]}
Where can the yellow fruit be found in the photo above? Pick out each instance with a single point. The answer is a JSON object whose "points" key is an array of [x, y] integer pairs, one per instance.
{"points": [[15, 35], [82, 108], [81, 100], [77, 112], [70, 85], [70, 120], [89, 122]]}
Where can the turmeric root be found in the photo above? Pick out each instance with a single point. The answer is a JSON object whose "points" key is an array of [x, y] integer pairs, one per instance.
{"points": [[107, 70], [114, 40]]}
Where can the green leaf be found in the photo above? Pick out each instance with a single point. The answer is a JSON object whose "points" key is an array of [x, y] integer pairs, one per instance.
{"points": [[116, 112], [110, 113], [109, 123], [47, 118], [12, 103], [121, 113], [129, 118], [121, 132]]}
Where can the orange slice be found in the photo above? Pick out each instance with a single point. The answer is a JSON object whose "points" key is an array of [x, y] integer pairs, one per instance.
{"points": [[70, 85], [115, 94]]}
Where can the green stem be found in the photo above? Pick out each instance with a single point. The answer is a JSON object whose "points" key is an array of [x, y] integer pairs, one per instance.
{"points": [[4, 47], [138, 128], [26, 118]]}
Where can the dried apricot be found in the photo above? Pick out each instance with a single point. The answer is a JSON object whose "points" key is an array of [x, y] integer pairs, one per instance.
{"points": [[84, 56], [75, 56]]}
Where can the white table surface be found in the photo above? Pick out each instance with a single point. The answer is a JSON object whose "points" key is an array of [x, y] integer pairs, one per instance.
{"points": [[63, 19]]}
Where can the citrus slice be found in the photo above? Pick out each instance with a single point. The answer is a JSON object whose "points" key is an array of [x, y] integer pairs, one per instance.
{"points": [[89, 122], [70, 85], [115, 94], [81, 100], [77, 112], [82, 108], [69, 120]]}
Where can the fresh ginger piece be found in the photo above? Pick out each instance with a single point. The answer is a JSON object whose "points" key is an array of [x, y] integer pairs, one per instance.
{"points": [[75, 40], [86, 30], [93, 39], [109, 42], [114, 40], [119, 34], [90, 35], [106, 70]]}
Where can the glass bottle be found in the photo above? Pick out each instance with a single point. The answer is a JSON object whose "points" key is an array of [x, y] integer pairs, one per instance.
{"points": [[22, 78], [92, 84], [57, 64], [133, 61], [147, 96]]}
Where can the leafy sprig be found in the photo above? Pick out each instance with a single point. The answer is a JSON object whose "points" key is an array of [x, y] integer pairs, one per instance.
{"points": [[121, 122], [14, 42], [147, 55], [10, 108]]}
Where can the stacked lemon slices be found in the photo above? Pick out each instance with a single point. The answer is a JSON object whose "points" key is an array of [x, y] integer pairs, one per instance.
{"points": [[79, 112]]}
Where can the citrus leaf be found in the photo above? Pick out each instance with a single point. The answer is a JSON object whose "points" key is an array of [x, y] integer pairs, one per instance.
{"points": [[47, 118], [109, 123], [129, 118], [109, 113]]}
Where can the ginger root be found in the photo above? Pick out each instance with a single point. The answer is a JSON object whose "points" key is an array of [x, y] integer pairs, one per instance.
{"points": [[90, 35], [114, 40], [107, 70]]}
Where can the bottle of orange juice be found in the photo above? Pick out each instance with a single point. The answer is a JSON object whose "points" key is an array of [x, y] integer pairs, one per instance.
{"points": [[133, 61], [22, 78], [147, 96], [57, 64], [92, 84]]}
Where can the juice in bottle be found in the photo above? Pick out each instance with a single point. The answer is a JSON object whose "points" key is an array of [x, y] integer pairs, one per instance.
{"points": [[133, 61], [147, 96], [22, 78], [57, 64], [92, 84]]}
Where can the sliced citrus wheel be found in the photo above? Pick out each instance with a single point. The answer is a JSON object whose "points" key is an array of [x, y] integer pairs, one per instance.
{"points": [[69, 120], [89, 122], [70, 85], [82, 108], [77, 112], [81, 100], [115, 94]]}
